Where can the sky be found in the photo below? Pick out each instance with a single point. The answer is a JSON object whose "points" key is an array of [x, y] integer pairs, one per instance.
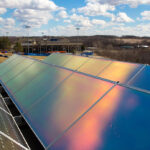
{"points": [[63, 17]]}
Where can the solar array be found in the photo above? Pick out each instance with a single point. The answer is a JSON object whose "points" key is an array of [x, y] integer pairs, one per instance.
{"points": [[131, 74], [10, 135], [74, 103]]}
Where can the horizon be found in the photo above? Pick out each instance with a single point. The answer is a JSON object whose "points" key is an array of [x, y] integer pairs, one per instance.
{"points": [[62, 18]]}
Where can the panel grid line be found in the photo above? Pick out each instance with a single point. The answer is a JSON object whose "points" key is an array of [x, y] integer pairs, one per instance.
{"points": [[12, 59], [14, 141], [24, 69], [35, 76], [12, 97], [13, 67], [14, 121], [138, 72], [79, 118], [48, 92], [104, 68]]}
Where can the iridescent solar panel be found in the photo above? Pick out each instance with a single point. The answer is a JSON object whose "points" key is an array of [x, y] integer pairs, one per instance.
{"points": [[9, 128], [11, 65], [142, 80], [25, 77], [120, 121], [58, 59], [120, 71], [7, 61], [14, 71], [94, 66], [44, 83], [75, 62], [58, 109]]}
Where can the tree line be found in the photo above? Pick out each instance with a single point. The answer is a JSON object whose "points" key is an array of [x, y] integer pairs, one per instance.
{"points": [[5, 45]]}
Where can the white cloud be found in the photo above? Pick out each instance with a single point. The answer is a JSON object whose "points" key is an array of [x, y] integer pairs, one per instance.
{"points": [[132, 3], [94, 8], [62, 14], [67, 21], [29, 4], [98, 22], [145, 15], [80, 20], [3, 10], [33, 12], [34, 18], [122, 17], [7, 23]]}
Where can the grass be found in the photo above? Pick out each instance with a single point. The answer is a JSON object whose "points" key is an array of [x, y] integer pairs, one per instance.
{"points": [[2, 59]]}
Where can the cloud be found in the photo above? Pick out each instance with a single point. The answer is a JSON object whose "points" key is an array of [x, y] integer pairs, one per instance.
{"points": [[132, 3], [33, 12], [67, 21], [34, 18], [7, 23], [98, 22], [80, 20], [122, 17], [62, 14], [3, 10], [29, 4], [94, 8], [145, 15]]}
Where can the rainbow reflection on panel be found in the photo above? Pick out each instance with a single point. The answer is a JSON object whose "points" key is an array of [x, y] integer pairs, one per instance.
{"points": [[120, 121], [94, 66], [76, 62], [120, 71], [64, 105]]}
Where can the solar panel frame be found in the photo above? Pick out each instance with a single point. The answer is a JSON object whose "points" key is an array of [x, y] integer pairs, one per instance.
{"points": [[10, 129]]}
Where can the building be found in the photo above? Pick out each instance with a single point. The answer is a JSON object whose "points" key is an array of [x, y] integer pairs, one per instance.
{"points": [[48, 45]]}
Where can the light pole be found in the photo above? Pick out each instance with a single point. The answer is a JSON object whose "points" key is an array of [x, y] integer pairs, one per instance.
{"points": [[28, 27], [40, 41], [7, 33], [78, 29]]}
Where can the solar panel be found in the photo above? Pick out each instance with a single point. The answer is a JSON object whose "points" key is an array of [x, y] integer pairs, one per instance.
{"points": [[120, 121], [57, 102], [142, 80], [11, 65], [7, 61], [60, 108], [6, 144], [105, 68], [94, 66], [14, 71], [120, 71], [57, 59], [9, 129], [2, 104], [75, 62], [45, 82], [25, 77]]}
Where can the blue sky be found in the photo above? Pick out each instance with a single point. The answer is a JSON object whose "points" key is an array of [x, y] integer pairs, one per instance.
{"points": [[62, 17]]}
